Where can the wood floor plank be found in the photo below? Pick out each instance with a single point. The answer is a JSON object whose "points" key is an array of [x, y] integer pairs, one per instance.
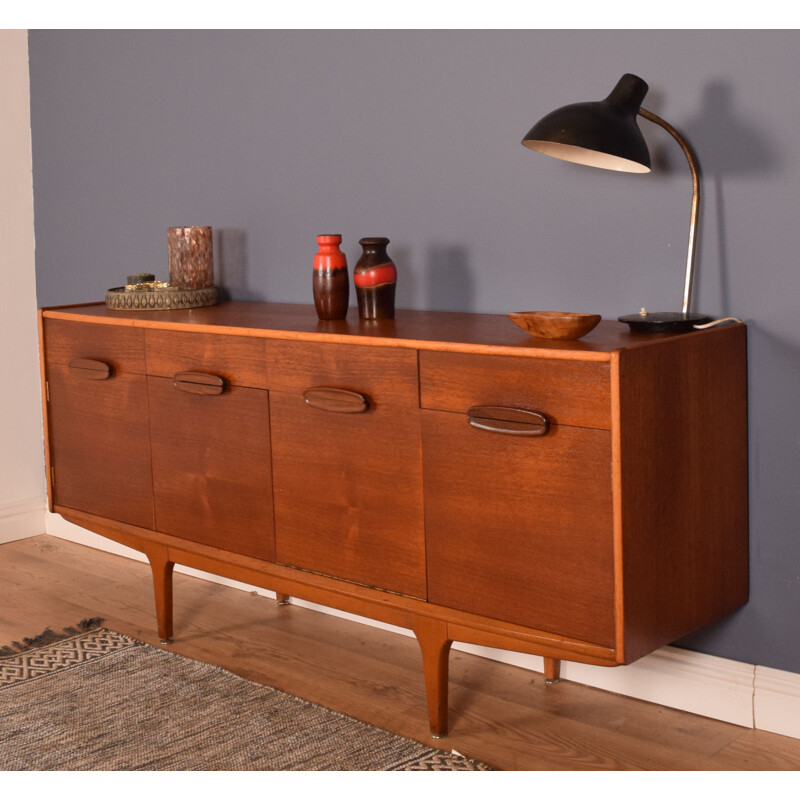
{"points": [[658, 725], [758, 750], [500, 714]]}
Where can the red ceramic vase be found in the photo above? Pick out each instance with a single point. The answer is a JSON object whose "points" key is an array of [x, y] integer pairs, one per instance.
{"points": [[331, 283]]}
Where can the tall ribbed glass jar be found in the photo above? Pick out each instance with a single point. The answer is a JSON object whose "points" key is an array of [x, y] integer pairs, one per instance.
{"points": [[191, 256]]}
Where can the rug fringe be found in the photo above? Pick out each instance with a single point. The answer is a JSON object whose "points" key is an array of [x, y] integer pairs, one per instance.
{"points": [[48, 636]]}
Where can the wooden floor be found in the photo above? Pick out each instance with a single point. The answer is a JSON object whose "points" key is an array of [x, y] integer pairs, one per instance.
{"points": [[499, 714]]}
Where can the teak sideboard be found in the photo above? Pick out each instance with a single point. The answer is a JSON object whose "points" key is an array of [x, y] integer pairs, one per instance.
{"points": [[442, 472]]}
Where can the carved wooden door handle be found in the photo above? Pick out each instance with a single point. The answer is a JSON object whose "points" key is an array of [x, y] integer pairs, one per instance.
{"points": [[342, 401], [513, 421], [91, 368], [199, 383]]}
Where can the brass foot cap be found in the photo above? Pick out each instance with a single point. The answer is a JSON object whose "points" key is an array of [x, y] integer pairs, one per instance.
{"points": [[438, 736], [166, 641], [551, 681]]}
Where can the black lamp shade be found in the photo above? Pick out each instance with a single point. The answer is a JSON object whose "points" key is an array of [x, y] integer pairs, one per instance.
{"points": [[600, 134]]}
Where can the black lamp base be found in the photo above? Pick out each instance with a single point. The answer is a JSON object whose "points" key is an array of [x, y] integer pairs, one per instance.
{"points": [[663, 321]]}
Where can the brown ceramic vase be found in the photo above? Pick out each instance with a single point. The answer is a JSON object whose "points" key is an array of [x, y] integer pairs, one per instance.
{"points": [[375, 277]]}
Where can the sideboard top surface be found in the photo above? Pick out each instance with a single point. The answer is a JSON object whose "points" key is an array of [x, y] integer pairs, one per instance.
{"points": [[426, 330]]}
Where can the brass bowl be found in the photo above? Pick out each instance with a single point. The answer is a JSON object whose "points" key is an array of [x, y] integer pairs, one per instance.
{"points": [[555, 324]]}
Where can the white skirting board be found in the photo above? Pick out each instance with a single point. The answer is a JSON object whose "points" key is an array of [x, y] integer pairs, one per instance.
{"points": [[777, 701], [22, 518], [719, 688]]}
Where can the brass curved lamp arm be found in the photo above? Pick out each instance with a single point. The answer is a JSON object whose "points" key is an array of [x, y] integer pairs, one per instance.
{"points": [[687, 286]]}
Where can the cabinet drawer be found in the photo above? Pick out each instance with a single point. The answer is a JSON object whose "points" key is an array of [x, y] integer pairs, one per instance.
{"points": [[122, 348], [387, 376], [238, 359], [566, 392]]}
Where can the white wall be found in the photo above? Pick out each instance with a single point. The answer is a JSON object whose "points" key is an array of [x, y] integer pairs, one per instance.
{"points": [[22, 484]]}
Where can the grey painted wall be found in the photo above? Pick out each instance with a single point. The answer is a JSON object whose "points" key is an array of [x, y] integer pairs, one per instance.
{"points": [[275, 136]]}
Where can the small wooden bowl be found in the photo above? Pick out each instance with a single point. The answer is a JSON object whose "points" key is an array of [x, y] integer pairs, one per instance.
{"points": [[555, 324]]}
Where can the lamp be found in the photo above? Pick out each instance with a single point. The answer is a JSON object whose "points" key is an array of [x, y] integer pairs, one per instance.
{"points": [[605, 134]]}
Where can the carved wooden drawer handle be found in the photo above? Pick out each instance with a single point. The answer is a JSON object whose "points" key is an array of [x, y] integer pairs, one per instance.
{"points": [[342, 401], [91, 368], [199, 383], [513, 421]]}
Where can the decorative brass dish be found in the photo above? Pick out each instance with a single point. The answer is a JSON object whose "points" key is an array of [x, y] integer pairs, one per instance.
{"points": [[555, 324], [160, 299]]}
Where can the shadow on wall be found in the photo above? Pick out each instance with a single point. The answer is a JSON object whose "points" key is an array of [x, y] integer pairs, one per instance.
{"points": [[450, 285], [725, 145], [406, 277], [728, 145], [724, 141], [230, 264]]}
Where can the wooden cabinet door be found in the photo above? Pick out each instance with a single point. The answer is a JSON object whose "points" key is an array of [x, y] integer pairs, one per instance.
{"points": [[99, 443], [98, 432], [211, 466], [348, 493], [520, 528]]}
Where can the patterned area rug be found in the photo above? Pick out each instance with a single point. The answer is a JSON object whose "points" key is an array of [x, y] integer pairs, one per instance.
{"points": [[98, 700]]}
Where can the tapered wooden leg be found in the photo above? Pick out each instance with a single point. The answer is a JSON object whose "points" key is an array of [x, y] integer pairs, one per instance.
{"points": [[435, 646], [282, 599], [162, 584], [552, 670]]}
